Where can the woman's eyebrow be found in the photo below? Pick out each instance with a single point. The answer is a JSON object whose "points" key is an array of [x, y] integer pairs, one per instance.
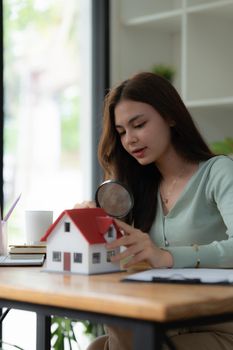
{"points": [[131, 120]]}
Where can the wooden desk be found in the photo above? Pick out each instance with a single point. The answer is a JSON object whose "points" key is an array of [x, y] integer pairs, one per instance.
{"points": [[145, 307]]}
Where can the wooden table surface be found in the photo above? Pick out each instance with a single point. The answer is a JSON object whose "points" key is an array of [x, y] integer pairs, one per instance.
{"points": [[107, 294]]}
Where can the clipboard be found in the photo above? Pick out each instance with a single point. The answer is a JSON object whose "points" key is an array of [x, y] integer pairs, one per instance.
{"points": [[184, 276]]}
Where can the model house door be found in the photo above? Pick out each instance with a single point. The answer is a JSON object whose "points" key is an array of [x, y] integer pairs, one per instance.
{"points": [[66, 261]]}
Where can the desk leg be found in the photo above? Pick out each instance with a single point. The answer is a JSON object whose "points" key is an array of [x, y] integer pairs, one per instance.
{"points": [[147, 336], [1, 311], [43, 325]]}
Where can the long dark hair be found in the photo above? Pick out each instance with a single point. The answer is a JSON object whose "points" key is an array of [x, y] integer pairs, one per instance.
{"points": [[143, 181]]}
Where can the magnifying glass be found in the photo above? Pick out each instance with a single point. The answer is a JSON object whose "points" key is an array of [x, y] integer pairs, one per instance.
{"points": [[115, 198]]}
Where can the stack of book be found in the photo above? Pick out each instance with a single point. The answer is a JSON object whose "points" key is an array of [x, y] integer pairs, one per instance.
{"points": [[27, 249]]}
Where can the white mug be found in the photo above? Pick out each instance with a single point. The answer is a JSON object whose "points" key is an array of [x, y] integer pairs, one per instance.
{"points": [[36, 224]]}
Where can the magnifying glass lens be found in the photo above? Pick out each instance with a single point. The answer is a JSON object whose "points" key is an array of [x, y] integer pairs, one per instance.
{"points": [[114, 198]]}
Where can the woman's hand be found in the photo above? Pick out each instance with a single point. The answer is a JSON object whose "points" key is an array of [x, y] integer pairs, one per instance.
{"points": [[86, 204], [139, 247]]}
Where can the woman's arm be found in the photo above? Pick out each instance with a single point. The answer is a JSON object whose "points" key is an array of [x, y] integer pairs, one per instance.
{"points": [[219, 193], [85, 204]]}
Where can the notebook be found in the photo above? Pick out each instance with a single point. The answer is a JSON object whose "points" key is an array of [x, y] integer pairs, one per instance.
{"points": [[17, 259], [22, 260], [27, 249]]}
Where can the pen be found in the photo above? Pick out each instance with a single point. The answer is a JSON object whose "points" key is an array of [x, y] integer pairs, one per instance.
{"points": [[6, 217]]}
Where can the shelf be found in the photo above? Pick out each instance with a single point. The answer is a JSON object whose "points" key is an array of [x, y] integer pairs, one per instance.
{"points": [[207, 6], [132, 11], [193, 36], [146, 55], [225, 102], [209, 56], [136, 48], [214, 122], [168, 21]]}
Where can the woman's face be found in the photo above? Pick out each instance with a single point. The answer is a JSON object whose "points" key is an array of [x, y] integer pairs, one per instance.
{"points": [[144, 134]]}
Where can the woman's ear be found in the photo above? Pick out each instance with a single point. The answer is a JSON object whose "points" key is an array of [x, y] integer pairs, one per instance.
{"points": [[171, 123]]}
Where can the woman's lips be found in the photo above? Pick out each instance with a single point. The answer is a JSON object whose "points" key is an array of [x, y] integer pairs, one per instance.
{"points": [[139, 153]]}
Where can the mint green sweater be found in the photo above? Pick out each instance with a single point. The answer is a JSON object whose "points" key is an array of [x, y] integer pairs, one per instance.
{"points": [[203, 215]]}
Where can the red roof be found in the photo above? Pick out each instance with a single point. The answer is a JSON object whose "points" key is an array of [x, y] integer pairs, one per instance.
{"points": [[92, 223]]}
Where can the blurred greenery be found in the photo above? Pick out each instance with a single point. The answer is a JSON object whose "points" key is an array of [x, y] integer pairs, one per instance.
{"points": [[22, 19], [63, 329], [26, 14], [10, 136], [19, 18], [95, 329], [70, 123], [224, 146], [166, 71]]}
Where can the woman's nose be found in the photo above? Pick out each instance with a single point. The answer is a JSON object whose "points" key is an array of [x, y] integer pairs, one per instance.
{"points": [[130, 138]]}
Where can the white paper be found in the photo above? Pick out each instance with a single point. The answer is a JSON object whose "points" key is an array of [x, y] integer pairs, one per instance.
{"points": [[203, 275]]}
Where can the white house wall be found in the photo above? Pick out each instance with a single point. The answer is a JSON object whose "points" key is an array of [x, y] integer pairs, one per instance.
{"points": [[103, 266], [72, 242]]}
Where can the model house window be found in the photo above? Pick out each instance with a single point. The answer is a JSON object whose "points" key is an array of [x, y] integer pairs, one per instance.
{"points": [[110, 253], [111, 232], [67, 227], [96, 258], [78, 257], [56, 256]]}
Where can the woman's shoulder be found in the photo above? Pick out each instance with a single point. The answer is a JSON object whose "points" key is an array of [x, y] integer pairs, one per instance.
{"points": [[216, 175], [218, 163], [218, 170]]}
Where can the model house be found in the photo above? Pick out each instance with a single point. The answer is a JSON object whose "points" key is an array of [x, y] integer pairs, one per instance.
{"points": [[76, 242]]}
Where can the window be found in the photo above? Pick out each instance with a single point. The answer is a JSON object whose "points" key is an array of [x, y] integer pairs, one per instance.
{"points": [[56, 256], [110, 253], [67, 226], [47, 88], [96, 258], [78, 257], [32, 74], [111, 232]]}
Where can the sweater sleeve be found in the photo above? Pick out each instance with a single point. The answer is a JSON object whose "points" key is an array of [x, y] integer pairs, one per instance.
{"points": [[219, 191]]}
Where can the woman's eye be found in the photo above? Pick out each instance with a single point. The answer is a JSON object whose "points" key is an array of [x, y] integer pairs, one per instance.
{"points": [[138, 126], [121, 133]]}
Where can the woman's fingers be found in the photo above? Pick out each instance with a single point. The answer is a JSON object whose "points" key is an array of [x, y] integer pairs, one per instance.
{"points": [[136, 259], [127, 240], [86, 204], [125, 227], [134, 249]]}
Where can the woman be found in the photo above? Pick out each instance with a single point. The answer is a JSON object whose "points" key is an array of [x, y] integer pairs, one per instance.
{"points": [[183, 211]]}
